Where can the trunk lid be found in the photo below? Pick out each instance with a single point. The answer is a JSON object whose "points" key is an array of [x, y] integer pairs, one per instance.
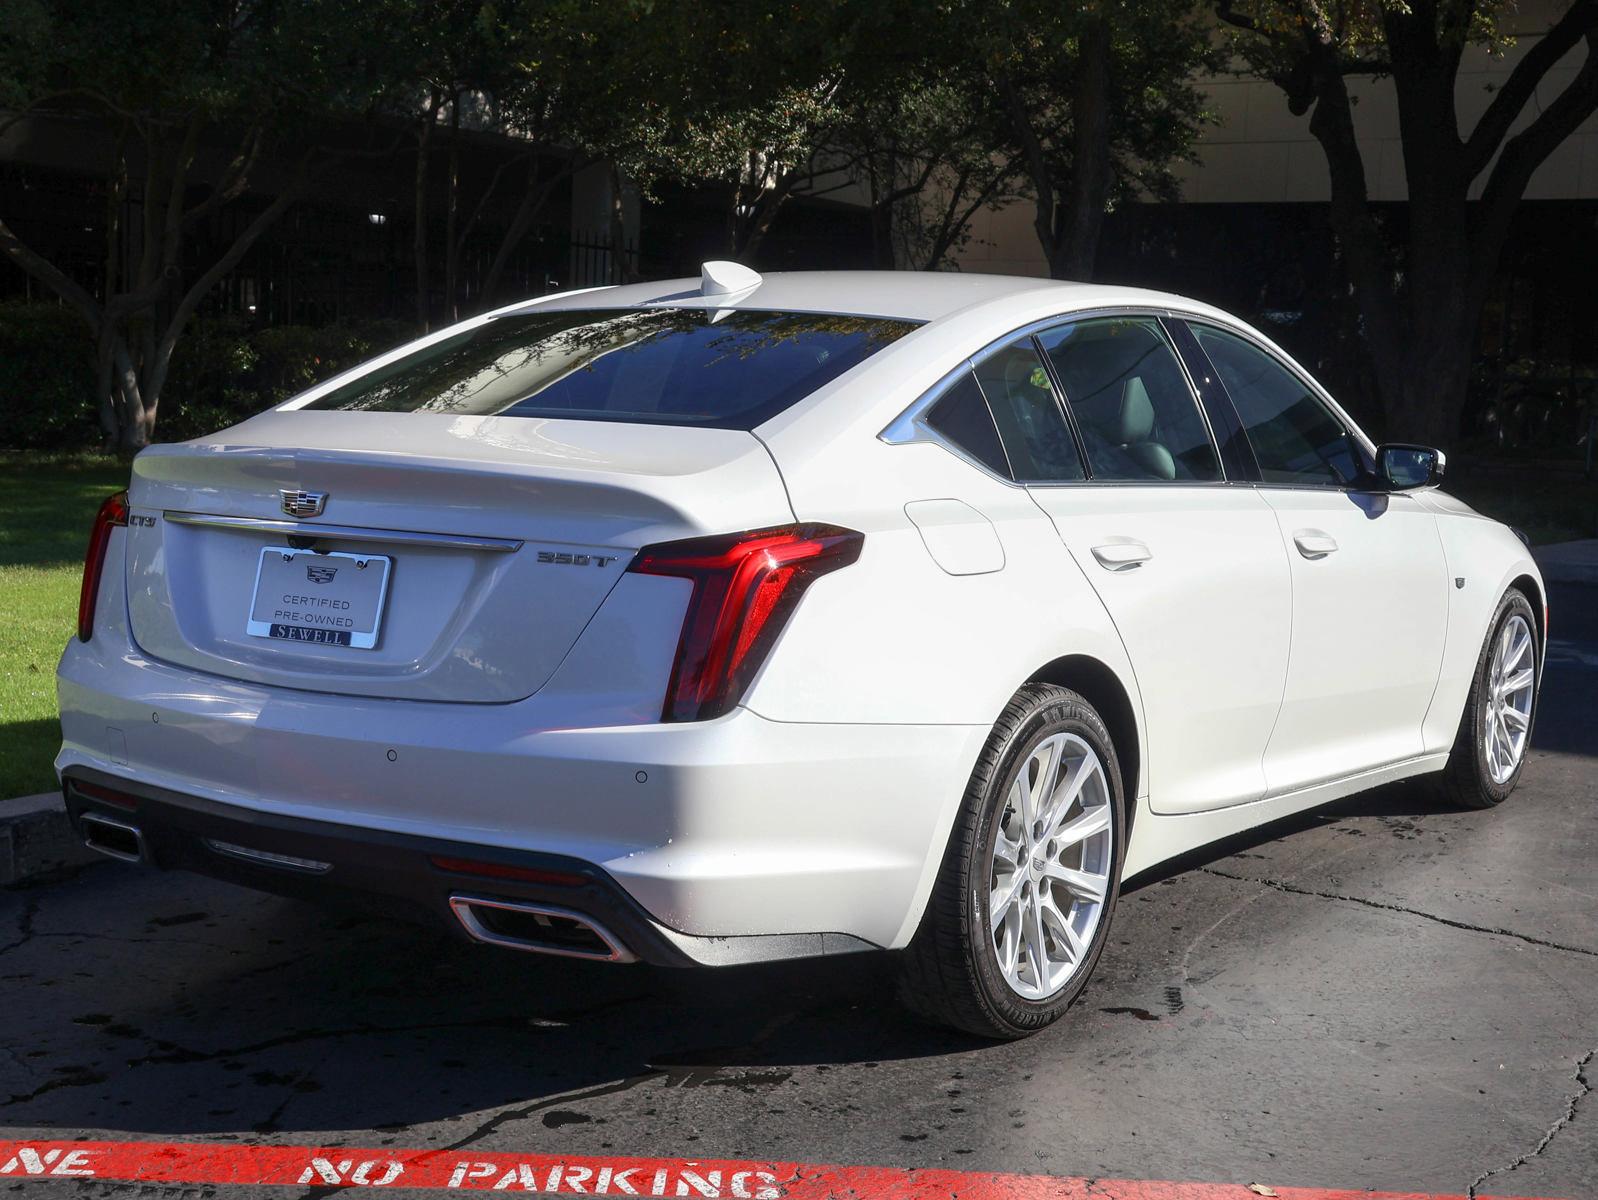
{"points": [[497, 539]]}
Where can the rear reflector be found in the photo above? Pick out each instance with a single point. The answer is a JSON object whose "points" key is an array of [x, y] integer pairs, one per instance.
{"points": [[113, 514], [488, 870], [745, 588], [105, 795]]}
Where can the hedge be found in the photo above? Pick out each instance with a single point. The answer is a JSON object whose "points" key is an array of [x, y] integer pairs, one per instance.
{"points": [[222, 371]]}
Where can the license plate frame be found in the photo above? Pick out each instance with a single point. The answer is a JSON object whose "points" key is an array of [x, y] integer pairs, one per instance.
{"points": [[348, 627]]}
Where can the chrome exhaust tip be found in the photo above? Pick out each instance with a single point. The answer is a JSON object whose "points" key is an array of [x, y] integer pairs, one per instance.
{"points": [[113, 838], [537, 929]]}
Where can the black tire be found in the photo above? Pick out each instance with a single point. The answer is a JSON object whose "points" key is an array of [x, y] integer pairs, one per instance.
{"points": [[950, 973], [1467, 782]]}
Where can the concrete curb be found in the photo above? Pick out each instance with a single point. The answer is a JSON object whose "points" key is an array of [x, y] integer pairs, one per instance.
{"points": [[36, 838], [1569, 562]]}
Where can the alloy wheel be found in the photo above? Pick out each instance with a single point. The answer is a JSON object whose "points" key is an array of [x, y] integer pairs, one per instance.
{"points": [[1049, 868], [1511, 688]]}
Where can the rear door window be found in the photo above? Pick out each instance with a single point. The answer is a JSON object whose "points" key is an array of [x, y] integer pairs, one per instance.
{"points": [[1137, 415], [661, 366], [1016, 384]]}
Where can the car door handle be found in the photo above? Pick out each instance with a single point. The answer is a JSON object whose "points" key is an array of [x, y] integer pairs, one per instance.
{"points": [[1313, 543], [1122, 556]]}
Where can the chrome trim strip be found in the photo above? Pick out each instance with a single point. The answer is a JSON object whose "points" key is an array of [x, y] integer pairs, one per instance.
{"points": [[462, 905], [287, 862], [910, 426], [904, 428], [353, 533]]}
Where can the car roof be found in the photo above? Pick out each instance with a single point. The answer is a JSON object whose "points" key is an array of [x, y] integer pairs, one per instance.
{"points": [[920, 296]]}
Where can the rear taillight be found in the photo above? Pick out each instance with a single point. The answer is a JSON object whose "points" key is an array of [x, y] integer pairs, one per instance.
{"points": [[113, 513], [745, 588]]}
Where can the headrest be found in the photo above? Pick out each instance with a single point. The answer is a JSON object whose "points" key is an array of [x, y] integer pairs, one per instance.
{"points": [[1021, 370], [1137, 413]]}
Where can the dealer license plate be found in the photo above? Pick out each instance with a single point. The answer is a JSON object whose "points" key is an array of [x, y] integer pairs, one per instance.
{"points": [[321, 599]]}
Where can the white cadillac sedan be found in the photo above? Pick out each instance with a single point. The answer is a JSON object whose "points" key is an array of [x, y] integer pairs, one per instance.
{"points": [[735, 619]]}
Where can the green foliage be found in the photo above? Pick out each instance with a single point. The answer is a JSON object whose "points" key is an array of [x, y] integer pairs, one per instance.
{"points": [[46, 378], [45, 512], [222, 372], [1157, 49]]}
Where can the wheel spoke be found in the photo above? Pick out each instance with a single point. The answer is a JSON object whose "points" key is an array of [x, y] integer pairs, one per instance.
{"points": [[1006, 850], [1021, 802], [1520, 643], [1069, 792], [1506, 756], [1083, 885], [1052, 751], [1517, 682], [1065, 935], [1514, 720], [1008, 945], [1036, 944], [1083, 826], [1002, 899]]}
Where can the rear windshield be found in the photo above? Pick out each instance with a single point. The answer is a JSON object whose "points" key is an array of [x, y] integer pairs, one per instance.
{"points": [[677, 366]]}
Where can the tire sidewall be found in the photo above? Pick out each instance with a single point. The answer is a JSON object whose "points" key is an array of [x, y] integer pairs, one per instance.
{"points": [[1061, 713]]}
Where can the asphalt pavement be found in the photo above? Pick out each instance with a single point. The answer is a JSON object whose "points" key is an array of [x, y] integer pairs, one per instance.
{"points": [[1386, 995]]}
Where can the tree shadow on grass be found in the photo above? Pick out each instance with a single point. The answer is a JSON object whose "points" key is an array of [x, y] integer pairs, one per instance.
{"points": [[27, 752]]}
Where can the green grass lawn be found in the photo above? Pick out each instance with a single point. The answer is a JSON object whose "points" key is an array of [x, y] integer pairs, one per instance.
{"points": [[46, 508], [47, 505]]}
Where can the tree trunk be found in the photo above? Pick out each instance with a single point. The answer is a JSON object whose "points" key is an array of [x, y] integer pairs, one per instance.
{"points": [[1077, 248], [424, 140], [451, 215], [621, 265], [534, 196]]}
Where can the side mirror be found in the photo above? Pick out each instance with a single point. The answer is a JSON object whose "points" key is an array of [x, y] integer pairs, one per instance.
{"points": [[1402, 467]]}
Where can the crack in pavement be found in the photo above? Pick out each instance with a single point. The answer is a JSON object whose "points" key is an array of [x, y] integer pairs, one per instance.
{"points": [[25, 920], [172, 1052], [1281, 885], [1583, 1090]]}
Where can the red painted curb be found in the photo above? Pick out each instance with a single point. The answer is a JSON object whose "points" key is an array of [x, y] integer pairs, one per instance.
{"points": [[696, 1179]]}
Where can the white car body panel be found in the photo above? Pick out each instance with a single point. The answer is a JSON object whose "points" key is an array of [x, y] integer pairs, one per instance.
{"points": [[1210, 668], [455, 630], [510, 715], [1369, 620]]}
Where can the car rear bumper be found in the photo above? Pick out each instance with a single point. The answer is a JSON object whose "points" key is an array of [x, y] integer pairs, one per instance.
{"points": [[738, 839], [553, 905]]}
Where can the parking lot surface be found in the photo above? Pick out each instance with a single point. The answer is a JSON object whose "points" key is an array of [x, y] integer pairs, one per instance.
{"points": [[1386, 995]]}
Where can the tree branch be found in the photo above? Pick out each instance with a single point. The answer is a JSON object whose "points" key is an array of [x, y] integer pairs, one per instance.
{"points": [[201, 286], [1579, 21], [1037, 164], [47, 273], [1522, 155], [235, 179]]}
